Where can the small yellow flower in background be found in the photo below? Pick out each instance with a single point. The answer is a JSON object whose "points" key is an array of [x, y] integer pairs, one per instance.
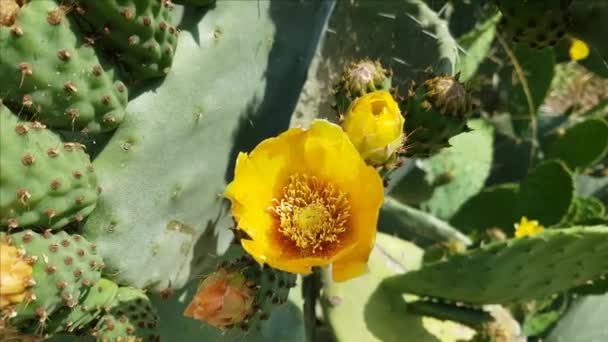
{"points": [[222, 299], [305, 199], [15, 275], [527, 227], [579, 50], [375, 126]]}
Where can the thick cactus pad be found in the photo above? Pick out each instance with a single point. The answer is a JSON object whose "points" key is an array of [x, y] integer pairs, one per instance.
{"points": [[43, 181], [131, 317], [65, 267], [49, 72], [514, 270], [137, 32]]}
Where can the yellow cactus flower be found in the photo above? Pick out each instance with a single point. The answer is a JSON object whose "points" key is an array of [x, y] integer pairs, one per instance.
{"points": [[306, 198], [527, 227], [579, 50], [375, 126], [15, 275]]}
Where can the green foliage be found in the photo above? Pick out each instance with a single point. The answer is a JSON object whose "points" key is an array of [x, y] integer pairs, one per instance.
{"points": [[48, 73], [513, 270], [545, 195], [582, 145], [476, 43]]}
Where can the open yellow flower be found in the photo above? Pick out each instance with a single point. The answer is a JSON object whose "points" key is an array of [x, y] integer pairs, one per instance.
{"points": [[375, 126], [306, 198], [15, 274], [527, 227], [579, 50]]}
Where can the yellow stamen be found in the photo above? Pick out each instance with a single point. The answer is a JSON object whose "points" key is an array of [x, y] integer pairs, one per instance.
{"points": [[311, 212]]}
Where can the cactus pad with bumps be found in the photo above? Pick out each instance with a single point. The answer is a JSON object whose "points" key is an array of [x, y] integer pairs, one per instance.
{"points": [[130, 317], [514, 270], [44, 182], [48, 72], [65, 266], [137, 32], [437, 110], [537, 23], [97, 299]]}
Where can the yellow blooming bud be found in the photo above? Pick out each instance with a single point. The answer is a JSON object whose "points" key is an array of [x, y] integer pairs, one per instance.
{"points": [[527, 227], [375, 126], [578, 50], [222, 299], [15, 274], [307, 199]]}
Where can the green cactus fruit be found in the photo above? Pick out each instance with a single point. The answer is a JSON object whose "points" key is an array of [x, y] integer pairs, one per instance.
{"points": [[64, 267], [96, 301], [437, 110], [130, 317], [536, 23], [137, 32], [47, 71], [197, 3], [358, 79], [43, 181], [514, 270]]}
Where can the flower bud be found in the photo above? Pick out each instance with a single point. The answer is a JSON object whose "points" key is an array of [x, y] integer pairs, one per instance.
{"points": [[15, 275], [374, 125], [222, 299]]}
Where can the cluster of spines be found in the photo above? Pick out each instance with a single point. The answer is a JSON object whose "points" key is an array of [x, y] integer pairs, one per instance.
{"points": [[52, 183]]}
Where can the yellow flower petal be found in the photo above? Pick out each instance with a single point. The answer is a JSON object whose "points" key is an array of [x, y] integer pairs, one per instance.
{"points": [[579, 50], [527, 227], [324, 156]]}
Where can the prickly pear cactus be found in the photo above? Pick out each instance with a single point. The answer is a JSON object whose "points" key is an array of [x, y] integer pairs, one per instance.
{"points": [[45, 182], [48, 72]]}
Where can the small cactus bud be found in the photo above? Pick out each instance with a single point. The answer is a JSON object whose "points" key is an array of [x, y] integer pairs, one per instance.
{"points": [[15, 273], [374, 125], [223, 299], [362, 77]]}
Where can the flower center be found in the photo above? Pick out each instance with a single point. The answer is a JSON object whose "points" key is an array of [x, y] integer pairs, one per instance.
{"points": [[311, 213]]}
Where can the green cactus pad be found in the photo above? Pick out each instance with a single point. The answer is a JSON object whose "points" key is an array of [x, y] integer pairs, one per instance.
{"points": [[537, 23], [96, 301], [130, 315], [48, 72], [514, 270], [198, 3], [137, 33], [43, 181], [65, 267], [437, 110]]}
